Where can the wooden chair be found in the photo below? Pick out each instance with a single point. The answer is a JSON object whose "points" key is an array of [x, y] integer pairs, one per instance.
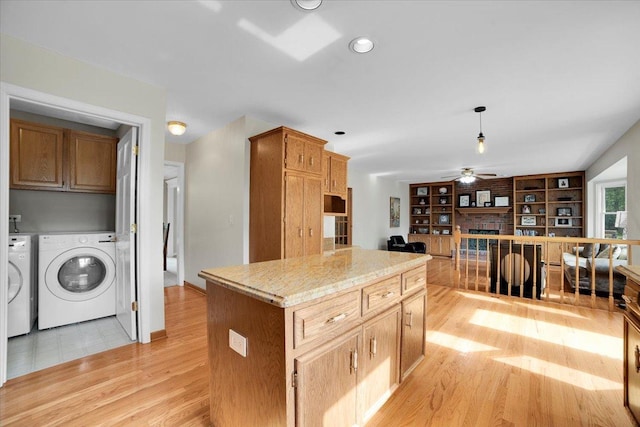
{"points": [[165, 230]]}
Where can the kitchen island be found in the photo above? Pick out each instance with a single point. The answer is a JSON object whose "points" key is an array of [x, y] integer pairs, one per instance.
{"points": [[316, 340]]}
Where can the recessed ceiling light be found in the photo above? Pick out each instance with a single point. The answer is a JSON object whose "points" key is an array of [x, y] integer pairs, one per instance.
{"points": [[176, 128], [339, 132], [361, 45], [307, 4]]}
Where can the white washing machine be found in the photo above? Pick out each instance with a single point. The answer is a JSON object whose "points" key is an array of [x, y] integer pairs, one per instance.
{"points": [[76, 278], [23, 273]]}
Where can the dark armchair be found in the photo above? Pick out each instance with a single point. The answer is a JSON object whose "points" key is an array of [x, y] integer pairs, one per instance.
{"points": [[397, 243]]}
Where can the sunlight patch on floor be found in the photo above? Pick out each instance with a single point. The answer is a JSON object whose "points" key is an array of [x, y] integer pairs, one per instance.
{"points": [[549, 310], [456, 343], [492, 299], [561, 373], [553, 333]]}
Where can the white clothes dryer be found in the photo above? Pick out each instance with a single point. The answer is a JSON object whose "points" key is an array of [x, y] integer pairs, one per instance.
{"points": [[76, 278], [22, 310]]}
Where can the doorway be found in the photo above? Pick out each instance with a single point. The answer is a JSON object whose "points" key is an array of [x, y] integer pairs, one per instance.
{"points": [[173, 212], [11, 96]]}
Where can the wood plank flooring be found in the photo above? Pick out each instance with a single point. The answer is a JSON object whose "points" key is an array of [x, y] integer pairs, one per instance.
{"points": [[490, 361]]}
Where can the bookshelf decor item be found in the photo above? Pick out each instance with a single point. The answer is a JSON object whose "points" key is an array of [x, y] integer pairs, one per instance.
{"points": [[529, 198], [444, 219], [528, 220], [564, 212], [563, 182], [564, 222], [422, 191]]}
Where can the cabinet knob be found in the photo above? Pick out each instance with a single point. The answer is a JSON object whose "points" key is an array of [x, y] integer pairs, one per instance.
{"points": [[311, 161], [301, 159], [310, 232], [299, 232]]}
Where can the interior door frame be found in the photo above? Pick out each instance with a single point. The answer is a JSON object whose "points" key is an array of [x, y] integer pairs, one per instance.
{"points": [[178, 227], [9, 92]]}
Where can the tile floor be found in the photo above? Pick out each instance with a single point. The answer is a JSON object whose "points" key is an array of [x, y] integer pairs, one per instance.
{"points": [[42, 349]]}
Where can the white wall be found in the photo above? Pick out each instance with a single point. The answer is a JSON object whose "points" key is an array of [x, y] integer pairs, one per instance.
{"points": [[628, 145], [31, 67], [217, 198], [370, 216]]}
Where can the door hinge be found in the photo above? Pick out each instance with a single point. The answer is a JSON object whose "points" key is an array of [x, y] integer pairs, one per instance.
{"points": [[134, 306], [134, 228], [294, 380], [135, 149]]}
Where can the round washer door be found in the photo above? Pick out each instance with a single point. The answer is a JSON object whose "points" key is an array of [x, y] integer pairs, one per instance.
{"points": [[80, 274], [15, 281]]}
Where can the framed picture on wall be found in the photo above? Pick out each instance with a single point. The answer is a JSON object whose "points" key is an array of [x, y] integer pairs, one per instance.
{"points": [[501, 201], [464, 200], [394, 212], [563, 182], [483, 196]]}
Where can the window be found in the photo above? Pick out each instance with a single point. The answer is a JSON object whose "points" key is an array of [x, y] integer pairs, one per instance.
{"points": [[612, 199]]}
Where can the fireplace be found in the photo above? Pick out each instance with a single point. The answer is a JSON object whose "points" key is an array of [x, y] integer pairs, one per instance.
{"points": [[480, 243]]}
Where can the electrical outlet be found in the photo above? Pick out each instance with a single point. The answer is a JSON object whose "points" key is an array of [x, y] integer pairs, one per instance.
{"points": [[238, 343], [15, 218]]}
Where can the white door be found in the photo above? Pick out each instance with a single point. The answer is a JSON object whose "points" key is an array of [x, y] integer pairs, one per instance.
{"points": [[125, 233]]}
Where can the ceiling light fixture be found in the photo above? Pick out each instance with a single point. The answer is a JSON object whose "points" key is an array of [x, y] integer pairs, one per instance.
{"points": [[176, 128], [467, 176], [481, 147], [361, 45], [307, 4]]}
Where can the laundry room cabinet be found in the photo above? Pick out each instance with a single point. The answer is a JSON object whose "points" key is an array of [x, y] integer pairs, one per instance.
{"points": [[50, 158], [286, 195]]}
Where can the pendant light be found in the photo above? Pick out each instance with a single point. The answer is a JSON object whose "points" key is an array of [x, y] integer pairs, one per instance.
{"points": [[479, 110]]}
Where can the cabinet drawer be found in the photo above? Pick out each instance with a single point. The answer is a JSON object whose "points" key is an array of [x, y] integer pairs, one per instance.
{"points": [[381, 294], [325, 318], [414, 279]]}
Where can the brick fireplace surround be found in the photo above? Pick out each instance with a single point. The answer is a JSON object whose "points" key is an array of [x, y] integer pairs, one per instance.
{"points": [[482, 221]]}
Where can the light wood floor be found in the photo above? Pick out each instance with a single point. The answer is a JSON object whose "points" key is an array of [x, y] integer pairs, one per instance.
{"points": [[490, 361]]}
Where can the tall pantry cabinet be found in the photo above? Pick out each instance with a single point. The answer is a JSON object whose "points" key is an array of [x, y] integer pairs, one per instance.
{"points": [[286, 195]]}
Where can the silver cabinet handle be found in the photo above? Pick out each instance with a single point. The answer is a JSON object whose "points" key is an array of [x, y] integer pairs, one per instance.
{"points": [[373, 347], [409, 321], [354, 361], [387, 294], [337, 318], [637, 357]]}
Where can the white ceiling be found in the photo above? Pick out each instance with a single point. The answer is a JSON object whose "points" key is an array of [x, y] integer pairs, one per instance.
{"points": [[560, 80]]}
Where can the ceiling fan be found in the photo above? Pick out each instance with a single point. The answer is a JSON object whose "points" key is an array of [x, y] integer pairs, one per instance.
{"points": [[467, 176]]}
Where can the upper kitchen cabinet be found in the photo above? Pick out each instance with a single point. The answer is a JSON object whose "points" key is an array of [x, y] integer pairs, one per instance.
{"points": [[36, 156], [92, 162], [302, 152], [335, 174], [285, 208], [50, 158]]}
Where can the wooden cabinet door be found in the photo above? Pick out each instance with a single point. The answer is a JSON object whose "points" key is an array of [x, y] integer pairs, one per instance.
{"points": [[326, 172], [326, 384], [554, 253], [36, 156], [413, 321], [380, 364], [313, 157], [632, 367], [294, 216], [294, 152], [339, 176], [445, 245], [312, 207], [92, 162]]}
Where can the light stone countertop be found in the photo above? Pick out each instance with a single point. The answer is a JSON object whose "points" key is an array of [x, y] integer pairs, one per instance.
{"points": [[293, 281]]}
